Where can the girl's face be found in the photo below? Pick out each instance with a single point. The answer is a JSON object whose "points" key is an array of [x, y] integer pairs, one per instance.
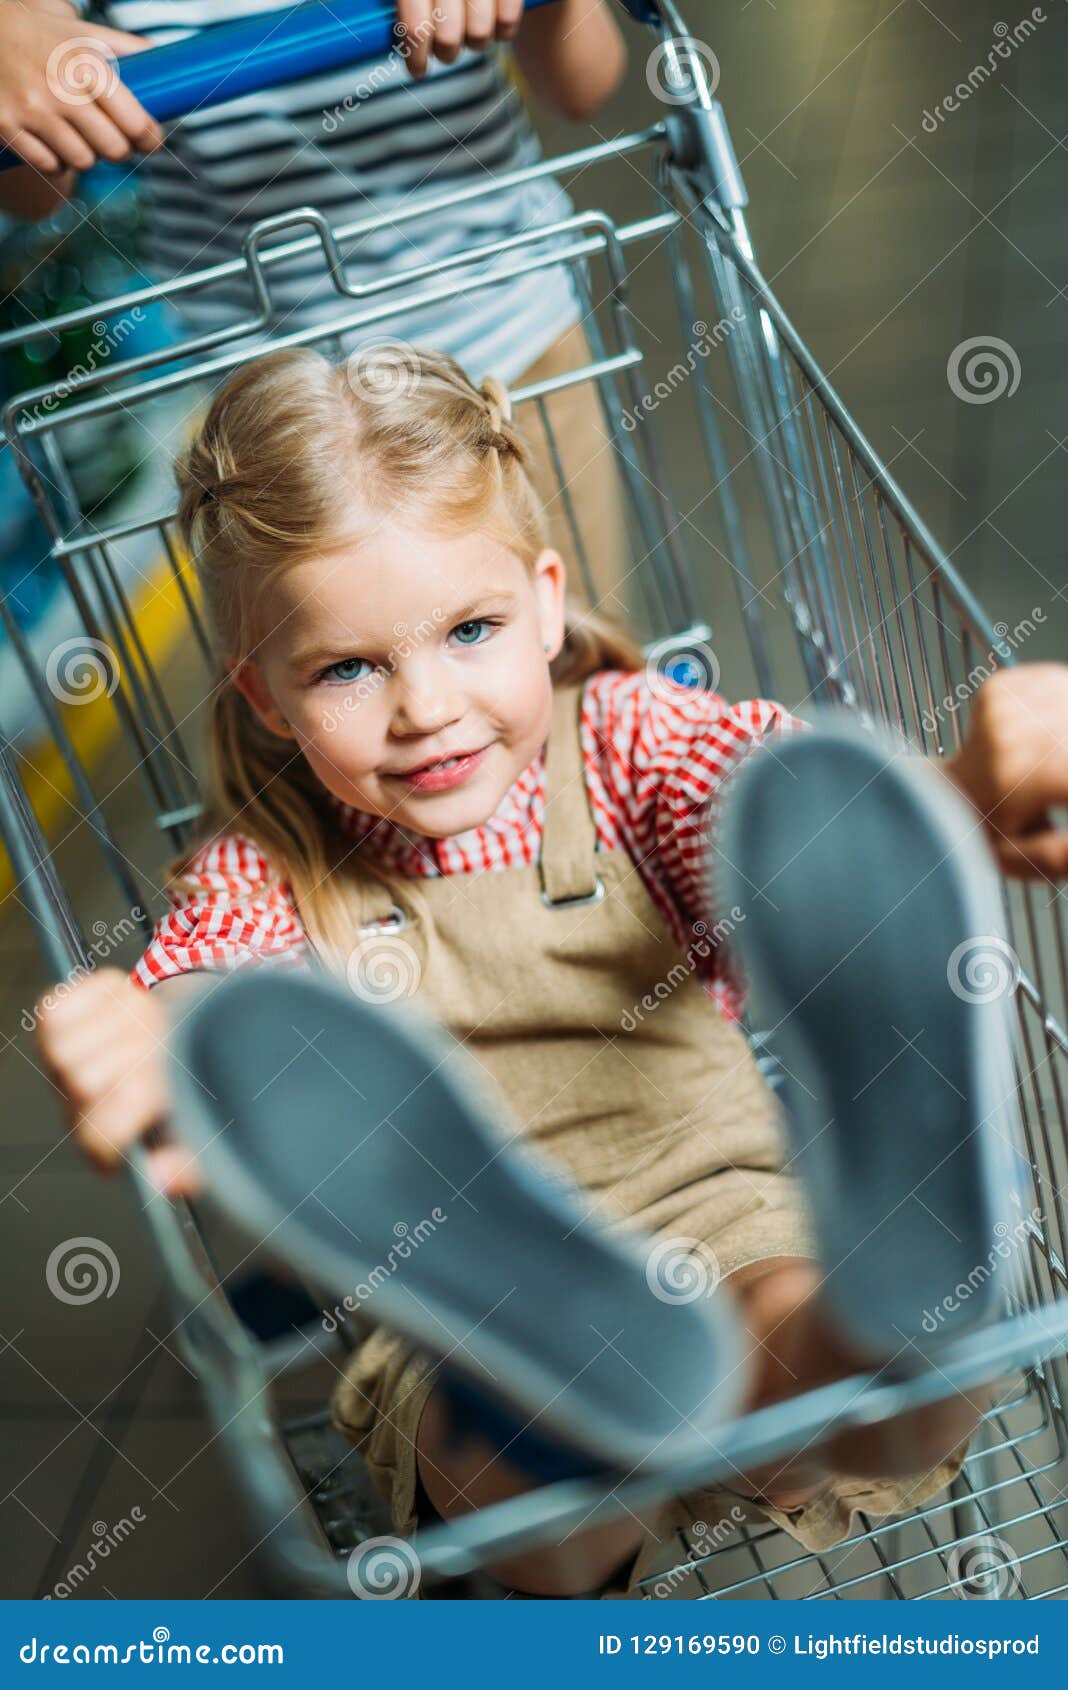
{"points": [[413, 673]]}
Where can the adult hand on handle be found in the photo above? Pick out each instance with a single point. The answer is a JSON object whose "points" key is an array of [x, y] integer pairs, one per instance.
{"points": [[572, 54], [445, 27], [1013, 766], [62, 104]]}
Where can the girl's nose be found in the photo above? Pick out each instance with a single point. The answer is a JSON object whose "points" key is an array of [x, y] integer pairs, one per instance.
{"points": [[422, 707]]}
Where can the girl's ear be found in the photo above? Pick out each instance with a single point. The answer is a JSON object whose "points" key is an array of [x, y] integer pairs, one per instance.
{"points": [[248, 679], [550, 582]]}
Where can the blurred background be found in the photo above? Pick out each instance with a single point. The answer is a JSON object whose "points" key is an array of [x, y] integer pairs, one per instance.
{"points": [[894, 230]]}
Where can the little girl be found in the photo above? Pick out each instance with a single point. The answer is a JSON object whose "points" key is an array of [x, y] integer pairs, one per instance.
{"points": [[421, 761]]}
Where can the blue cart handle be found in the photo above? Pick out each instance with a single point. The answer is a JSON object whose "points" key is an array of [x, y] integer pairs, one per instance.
{"points": [[266, 50]]}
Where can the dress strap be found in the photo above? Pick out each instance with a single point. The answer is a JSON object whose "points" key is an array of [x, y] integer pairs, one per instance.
{"points": [[569, 838]]}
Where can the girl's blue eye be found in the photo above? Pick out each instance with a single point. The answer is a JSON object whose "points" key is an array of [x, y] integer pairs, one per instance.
{"points": [[470, 633], [344, 673]]}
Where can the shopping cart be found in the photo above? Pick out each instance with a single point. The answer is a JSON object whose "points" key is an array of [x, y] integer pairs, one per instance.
{"points": [[843, 595]]}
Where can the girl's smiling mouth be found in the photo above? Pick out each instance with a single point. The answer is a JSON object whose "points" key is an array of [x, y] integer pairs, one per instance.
{"points": [[443, 774]]}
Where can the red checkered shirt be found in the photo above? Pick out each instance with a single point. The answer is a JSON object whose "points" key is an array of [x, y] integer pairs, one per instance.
{"points": [[655, 759]]}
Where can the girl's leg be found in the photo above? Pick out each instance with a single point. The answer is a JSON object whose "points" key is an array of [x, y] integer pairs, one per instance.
{"points": [[901, 1119], [798, 1349], [795, 1349], [460, 1472]]}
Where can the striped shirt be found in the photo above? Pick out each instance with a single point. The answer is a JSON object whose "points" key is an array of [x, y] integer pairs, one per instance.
{"points": [[654, 760], [354, 143]]}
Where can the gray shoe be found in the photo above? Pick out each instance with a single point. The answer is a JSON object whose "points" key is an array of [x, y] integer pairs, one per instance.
{"points": [[355, 1141], [872, 939]]}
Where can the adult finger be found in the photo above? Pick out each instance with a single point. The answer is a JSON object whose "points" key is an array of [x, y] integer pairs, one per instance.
{"points": [[34, 152], [481, 23], [120, 40], [100, 133], [449, 22], [509, 17], [130, 116], [69, 146], [416, 32]]}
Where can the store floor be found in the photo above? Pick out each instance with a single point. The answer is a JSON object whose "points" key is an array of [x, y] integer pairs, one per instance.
{"points": [[891, 244]]}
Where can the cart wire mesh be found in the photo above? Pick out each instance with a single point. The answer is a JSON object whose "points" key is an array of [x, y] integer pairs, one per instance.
{"points": [[839, 594]]}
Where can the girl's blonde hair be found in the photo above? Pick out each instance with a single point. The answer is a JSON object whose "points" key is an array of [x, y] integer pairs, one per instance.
{"points": [[300, 455]]}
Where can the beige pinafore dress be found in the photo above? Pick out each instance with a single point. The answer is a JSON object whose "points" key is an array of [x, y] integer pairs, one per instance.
{"points": [[668, 1126]]}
